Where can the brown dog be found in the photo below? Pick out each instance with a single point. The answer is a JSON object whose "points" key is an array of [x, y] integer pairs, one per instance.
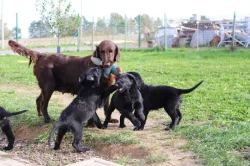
{"points": [[58, 72]]}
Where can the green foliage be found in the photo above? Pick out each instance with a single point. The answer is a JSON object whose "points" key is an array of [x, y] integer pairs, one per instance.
{"points": [[38, 29], [7, 32], [59, 16], [156, 159]]}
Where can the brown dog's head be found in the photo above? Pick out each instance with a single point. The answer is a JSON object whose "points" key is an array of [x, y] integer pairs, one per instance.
{"points": [[108, 52]]}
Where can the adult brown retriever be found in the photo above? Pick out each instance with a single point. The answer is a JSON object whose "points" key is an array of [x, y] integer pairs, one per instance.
{"points": [[58, 72]]}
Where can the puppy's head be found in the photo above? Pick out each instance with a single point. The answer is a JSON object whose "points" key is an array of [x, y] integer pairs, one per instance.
{"points": [[125, 81], [91, 77], [108, 52]]}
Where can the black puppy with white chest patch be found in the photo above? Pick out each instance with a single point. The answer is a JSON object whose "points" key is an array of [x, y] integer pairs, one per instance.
{"points": [[126, 99], [91, 97], [167, 97], [6, 127]]}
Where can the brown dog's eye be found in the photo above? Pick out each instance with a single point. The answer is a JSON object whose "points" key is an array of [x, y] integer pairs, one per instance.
{"points": [[102, 52], [110, 51]]}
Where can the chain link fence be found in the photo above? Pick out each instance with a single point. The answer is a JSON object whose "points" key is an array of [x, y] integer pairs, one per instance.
{"points": [[192, 33]]}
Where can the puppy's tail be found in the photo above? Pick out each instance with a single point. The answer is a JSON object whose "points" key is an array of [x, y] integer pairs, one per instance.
{"points": [[56, 126], [16, 113], [183, 91], [21, 50]]}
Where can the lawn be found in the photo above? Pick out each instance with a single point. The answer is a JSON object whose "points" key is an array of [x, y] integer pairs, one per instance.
{"points": [[216, 116]]}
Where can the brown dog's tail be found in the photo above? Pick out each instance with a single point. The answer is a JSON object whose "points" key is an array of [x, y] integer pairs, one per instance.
{"points": [[183, 91], [21, 50]]}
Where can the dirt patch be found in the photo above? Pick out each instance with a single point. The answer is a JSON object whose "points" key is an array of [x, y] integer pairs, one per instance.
{"points": [[29, 133], [117, 150], [154, 140]]}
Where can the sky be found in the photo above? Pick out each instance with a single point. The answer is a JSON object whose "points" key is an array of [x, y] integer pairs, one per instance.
{"points": [[213, 9]]}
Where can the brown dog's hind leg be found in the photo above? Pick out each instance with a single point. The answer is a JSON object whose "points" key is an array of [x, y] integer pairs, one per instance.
{"points": [[39, 104], [47, 93]]}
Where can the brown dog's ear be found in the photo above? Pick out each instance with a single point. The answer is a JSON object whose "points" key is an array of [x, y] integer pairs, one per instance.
{"points": [[97, 53], [117, 54]]}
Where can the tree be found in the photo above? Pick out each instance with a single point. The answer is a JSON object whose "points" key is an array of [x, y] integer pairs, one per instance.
{"points": [[19, 35], [117, 23], [38, 29], [158, 22], [100, 24], [204, 18], [132, 26], [7, 31], [85, 23], [59, 16]]}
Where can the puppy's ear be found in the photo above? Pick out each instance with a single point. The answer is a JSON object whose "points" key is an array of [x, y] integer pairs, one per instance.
{"points": [[117, 53], [132, 77], [81, 78], [97, 53], [139, 83]]}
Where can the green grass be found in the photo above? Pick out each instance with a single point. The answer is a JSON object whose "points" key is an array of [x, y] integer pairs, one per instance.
{"points": [[216, 116]]}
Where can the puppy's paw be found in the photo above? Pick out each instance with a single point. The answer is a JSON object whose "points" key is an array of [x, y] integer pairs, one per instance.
{"points": [[168, 128], [104, 127], [56, 148], [8, 148], [136, 129], [83, 149], [141, 128], [122, 126]]}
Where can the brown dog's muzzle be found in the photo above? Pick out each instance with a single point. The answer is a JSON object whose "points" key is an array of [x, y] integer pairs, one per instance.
{"points": [[107, 64]]}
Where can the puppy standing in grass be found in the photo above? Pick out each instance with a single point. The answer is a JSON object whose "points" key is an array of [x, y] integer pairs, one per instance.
{"points": [[126, 100], [156, 97], [91, 97], [6, 128]]}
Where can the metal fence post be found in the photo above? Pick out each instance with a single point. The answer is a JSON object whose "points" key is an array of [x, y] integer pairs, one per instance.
{"points": [[139, 26], [79, 35], [197, 36], [125, 32], [17, 27], [233, 32], [93, 27], [165, 32]]}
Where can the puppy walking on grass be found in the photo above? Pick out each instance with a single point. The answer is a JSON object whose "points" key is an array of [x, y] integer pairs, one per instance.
{"points": [[161, 96], [91, 97]]}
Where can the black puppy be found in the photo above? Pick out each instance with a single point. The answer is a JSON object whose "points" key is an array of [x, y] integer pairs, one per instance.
{"points": [[91, 97], [156, 97], [5, 125], [126, 100]]}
